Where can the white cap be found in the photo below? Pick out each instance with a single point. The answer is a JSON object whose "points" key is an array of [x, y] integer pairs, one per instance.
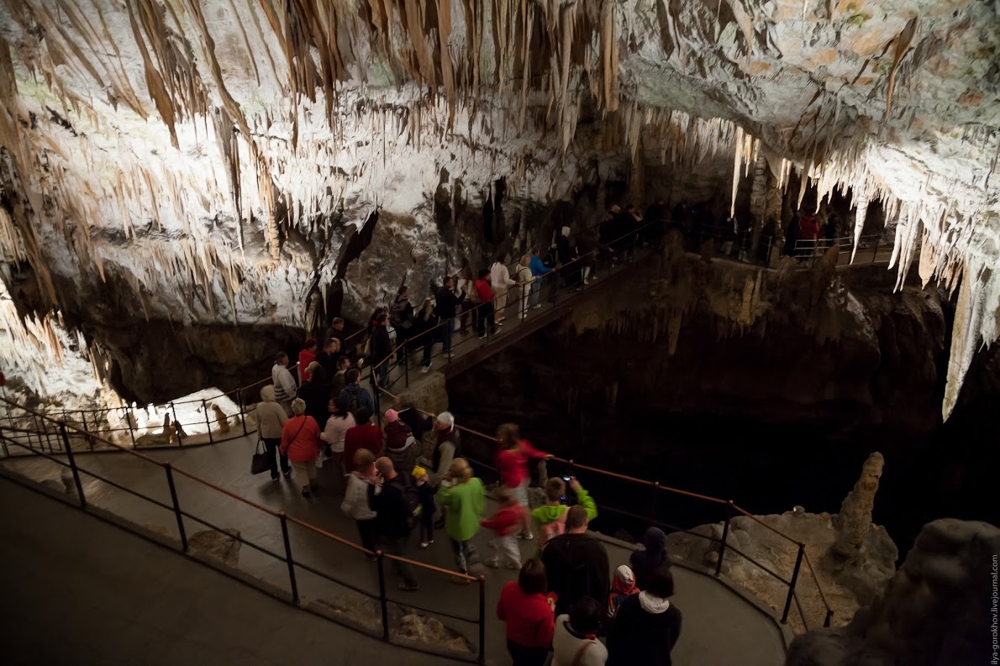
{"points": [[446, 418]]}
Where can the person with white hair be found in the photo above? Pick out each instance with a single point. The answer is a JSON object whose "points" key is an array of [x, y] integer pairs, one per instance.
{"points": [[300, 442], [271, 417], [500, 281], [447, 448]]}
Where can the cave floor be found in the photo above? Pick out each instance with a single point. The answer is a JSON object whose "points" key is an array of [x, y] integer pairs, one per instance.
{"points": [[720, 627]]}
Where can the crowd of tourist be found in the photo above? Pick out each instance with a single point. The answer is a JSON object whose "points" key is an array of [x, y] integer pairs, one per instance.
{"points": [[566, 602], [320, 415]]}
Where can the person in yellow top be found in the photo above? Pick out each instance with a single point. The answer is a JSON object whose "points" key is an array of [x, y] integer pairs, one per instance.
{"points": [[464, 498]]}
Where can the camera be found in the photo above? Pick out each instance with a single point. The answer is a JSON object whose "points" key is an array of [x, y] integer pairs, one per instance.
{"points": [[566, 479]]}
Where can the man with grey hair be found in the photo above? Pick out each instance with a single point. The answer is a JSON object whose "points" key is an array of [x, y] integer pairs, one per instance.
{"points": [[284, 384], [392, 524]]}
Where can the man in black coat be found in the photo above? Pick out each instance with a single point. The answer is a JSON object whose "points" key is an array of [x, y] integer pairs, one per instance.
{"points": [[445, 307], [392, 524], [576, 563]]}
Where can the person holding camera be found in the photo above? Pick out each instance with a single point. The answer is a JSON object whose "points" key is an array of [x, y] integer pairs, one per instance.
{"points": [[551, 516]]}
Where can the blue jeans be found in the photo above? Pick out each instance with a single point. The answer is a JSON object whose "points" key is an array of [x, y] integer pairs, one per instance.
{"points": [[536, 291]]}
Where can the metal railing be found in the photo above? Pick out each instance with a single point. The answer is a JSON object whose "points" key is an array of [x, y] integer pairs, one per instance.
{"points": [[561, 284], [629, 486], [174, 501]]}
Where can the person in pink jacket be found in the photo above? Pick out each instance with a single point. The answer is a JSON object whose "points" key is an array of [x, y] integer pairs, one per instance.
{"points": [[300, 442], [512, 463]]}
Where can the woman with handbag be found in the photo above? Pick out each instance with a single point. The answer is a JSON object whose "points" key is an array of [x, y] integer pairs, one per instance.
{"points": [[300, 442], [270, 419]]}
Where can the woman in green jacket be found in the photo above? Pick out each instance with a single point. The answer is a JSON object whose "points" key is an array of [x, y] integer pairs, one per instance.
{"points": [[464, 497]]}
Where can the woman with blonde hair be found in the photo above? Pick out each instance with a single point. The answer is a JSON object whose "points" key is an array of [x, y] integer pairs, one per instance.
{"points": [[300, 442], [464, 497]]}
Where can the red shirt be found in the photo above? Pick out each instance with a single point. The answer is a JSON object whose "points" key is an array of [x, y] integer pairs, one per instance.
{"points": [[513, 464], [367, 436], [484, 290], [305, 358], [300, 439], [530, 620], [506, 520]]}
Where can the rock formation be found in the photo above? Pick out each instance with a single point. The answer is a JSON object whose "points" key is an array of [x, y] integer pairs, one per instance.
{"points": [[855, 518], [854, 521], [937, 609], [186, 166], [845, 582]]}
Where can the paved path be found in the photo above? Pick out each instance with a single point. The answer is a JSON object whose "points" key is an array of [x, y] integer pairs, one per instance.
{"points": [[711, 611], [79, 591]]}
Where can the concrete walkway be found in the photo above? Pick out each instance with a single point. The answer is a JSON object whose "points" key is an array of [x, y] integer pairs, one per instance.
{"points": [[720, 627], [80, 591]]}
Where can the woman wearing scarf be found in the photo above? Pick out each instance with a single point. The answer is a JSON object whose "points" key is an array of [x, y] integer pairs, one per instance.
{"points": [[622, 587], [647, 625]]}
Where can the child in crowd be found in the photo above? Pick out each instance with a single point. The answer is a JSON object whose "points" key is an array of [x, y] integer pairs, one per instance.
{"points": [[426, 510], [622, 587], [506, 523], [551, 516]]}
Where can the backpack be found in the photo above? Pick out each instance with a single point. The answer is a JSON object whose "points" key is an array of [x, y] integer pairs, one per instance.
{"points": [[355, 397], [554, 529], [549, 260]]}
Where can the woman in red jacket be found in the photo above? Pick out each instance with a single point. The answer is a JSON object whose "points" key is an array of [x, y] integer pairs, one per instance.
{"points": [[529, 614], [512, 463], [300, 442]]}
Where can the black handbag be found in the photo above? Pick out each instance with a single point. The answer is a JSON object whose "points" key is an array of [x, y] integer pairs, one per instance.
{"points": [[260, 461]]}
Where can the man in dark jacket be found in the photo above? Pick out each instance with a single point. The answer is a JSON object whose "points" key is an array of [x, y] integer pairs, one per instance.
{"points": [[328, 355], [381, 348], [446, 306], [392, 524], [355, 395], [576, 563]]}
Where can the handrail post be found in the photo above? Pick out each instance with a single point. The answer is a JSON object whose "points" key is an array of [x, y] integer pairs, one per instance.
{"points": [[791, 585], [177, 506], [406, 366], [875, 253], [129, 415], [656, 497], [482, 620], [72, 465], [177, 431], [83, 420], [382, 599], [375, 390], [208, 423], [243, 411], [288, 556], [829, 616], [725, 536]]}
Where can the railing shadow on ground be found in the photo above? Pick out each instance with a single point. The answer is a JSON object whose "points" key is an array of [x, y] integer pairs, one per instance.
{"points": [[362, 603]]}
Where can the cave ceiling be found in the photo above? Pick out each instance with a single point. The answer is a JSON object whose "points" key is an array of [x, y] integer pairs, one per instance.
{"points": [[214, 156]]}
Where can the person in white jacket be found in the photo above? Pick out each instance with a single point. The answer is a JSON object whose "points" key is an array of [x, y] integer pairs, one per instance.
{"points": [[356, 504], [501, 282], [270, 418], [524, 278]]}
